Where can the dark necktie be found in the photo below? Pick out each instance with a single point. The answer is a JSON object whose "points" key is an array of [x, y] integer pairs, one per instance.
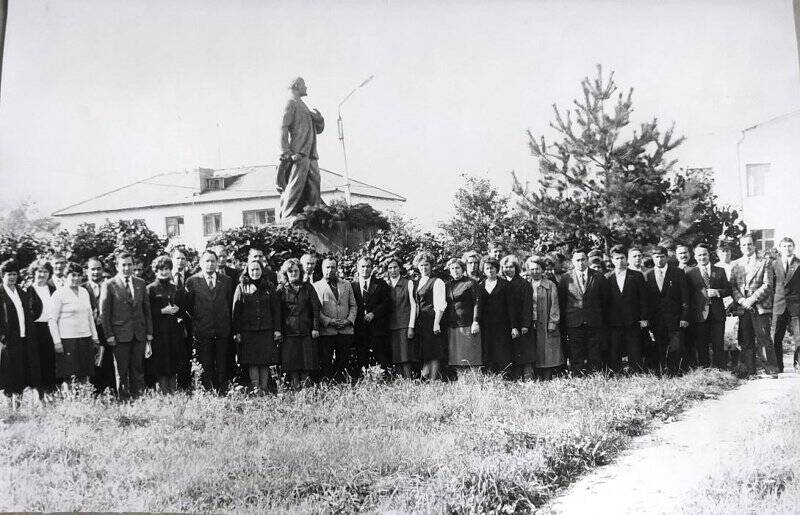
{"points": [[128, 288], [334, 284]]}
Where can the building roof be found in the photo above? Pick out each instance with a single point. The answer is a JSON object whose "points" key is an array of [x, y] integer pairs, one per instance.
{"points": [[778, 118], [179, 188]]}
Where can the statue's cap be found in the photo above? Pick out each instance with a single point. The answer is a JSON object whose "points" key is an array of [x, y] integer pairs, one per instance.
{"points": [[296, 82]]}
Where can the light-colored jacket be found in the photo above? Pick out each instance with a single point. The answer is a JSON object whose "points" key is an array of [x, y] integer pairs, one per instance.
{"points": [[755, 283], [332, 309]]}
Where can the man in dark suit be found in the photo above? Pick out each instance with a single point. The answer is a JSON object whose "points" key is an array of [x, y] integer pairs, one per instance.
{"points": [[374, 302], [127, 325], [708, 285], [223, 268], [786, 303], [669, 312], [180, 274], [104, 375], [626, 311], [582, 293], [209, 298]]}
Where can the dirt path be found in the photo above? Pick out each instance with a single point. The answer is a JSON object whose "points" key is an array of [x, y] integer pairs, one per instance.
{"points": [[661, 468]]}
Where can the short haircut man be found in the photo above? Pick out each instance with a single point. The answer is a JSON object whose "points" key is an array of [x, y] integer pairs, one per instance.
{"points": [[337, 315], [371, 328], [626, 313]]}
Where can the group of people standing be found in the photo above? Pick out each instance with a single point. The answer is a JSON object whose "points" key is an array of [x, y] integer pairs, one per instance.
{"points": [[493, 313]]}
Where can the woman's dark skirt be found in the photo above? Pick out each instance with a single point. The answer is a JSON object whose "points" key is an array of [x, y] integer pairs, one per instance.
{"points": [[431, 346], [403, 349], [77, 359], [47, 356], [299, 354], [259, 348]]}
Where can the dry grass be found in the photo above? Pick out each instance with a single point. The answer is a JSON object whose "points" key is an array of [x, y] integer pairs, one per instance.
{"points": [[477, 445], [763, 474]]}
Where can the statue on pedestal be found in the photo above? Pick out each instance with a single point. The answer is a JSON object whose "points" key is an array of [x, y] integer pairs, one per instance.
{"points": [[298, 177]]}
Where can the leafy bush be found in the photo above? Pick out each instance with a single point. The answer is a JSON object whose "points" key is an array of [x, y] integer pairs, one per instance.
{"points": [[280, 243], [23, 248], [358, 216]]}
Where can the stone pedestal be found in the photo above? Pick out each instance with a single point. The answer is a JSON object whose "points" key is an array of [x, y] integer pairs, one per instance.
{"points": [[335, 239]]}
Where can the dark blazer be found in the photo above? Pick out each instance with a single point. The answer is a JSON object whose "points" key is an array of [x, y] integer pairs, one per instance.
{"points": [[702, 307], [521, 299], [587, 308], [629, 306], [19, 361], [786, 285], [299, 310], [378, 302], [123, 317], [209, 310], [669, 305], [259, 310], [35, 303]]}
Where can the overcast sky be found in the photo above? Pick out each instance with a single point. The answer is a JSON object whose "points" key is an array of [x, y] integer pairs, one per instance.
{"points": [[97, 94]]}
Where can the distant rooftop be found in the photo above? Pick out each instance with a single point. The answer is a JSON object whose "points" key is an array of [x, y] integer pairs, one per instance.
{"points": [[179, 188]]}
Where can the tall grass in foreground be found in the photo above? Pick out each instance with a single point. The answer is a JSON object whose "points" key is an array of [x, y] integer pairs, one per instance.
{"points": [[763, 473], [477, 445]]}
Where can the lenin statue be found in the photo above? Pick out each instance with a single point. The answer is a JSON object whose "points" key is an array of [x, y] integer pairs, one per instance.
{"points": [[298, 174]]}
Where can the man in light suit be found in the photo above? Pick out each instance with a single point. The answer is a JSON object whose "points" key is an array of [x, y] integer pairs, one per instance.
{"points": [[626, 312], [669, 312], [582, 293], [786, 303], [338, 316], [708, 285], [127, 325], [751, 289], [209, 299]]}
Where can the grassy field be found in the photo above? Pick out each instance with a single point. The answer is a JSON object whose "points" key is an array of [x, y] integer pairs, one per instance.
{"points": [[763, 475], [477, 445]]}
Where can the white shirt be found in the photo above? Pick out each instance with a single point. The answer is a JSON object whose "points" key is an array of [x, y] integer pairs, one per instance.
{"points": [[44, 294], [211, 280], [59, 282], [364, 286], [582, 277], [128, 281], [621, 278], [14, 296], [660, 274], [411, 301], [489, 285]]}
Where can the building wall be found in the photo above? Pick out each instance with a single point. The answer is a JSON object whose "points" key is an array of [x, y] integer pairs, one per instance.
{"points": [[776, 210], [192, 235]]}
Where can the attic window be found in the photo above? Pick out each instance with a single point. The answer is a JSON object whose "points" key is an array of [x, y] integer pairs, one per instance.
{"points": [[215, 183]]}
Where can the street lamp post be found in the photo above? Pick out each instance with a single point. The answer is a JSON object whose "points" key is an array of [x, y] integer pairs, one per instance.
{"points": [[340, 126]]}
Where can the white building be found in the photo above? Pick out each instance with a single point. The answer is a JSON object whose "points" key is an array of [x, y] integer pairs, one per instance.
{"points": [[192, 207]]}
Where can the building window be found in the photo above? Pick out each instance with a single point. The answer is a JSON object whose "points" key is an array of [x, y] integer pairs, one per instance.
{"points": [[756, 178], [215, 184], [764, 239], [258, 217], [174, 226], [212, 223]]}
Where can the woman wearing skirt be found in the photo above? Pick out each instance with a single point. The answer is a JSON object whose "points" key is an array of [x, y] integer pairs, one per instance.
{"points": [[521, 295], [462, 315], [546, 312], [39, 294], [72, 329], [299, 322], [256, 315], [402, 319], [166, 308], [432, 302]]}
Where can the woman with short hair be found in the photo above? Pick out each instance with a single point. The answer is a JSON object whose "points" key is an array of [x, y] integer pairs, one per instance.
{"points": [[432, 302], [299, 323], [546, 313], [497, 318], [402, 318], [19, 357], [256, 325], [521, 302], [463, 314], [167, 307], [72, 328], [39, 294]]}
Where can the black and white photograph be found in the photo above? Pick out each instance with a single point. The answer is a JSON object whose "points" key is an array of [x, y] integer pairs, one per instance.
{"points": [[400, 256]]}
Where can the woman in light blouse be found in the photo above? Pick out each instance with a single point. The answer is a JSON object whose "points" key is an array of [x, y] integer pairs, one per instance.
{"points": [[39, 294], [431, 302], [72, 328]]}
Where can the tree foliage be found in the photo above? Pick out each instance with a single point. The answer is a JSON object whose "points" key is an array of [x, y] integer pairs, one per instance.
{"points": [[279, 243], [484, 216], [25, 219], [357, 217], [604, 182]]}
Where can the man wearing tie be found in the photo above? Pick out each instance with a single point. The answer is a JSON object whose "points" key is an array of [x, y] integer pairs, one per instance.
{"points": [[626, 312], [582, 294], [786, 304], [209, 299], [708, 286], [374, 302], [127, 325], [180, 273], [104, 375], [751, 289]]}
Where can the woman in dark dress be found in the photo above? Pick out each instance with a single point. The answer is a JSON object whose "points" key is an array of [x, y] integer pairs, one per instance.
{"points": [[39, 294], [462, 314], [166, 308], [256, 325], [19, 357], [521, 300], [299, 323], [402, 319], [497, 318], [431, 303]]}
